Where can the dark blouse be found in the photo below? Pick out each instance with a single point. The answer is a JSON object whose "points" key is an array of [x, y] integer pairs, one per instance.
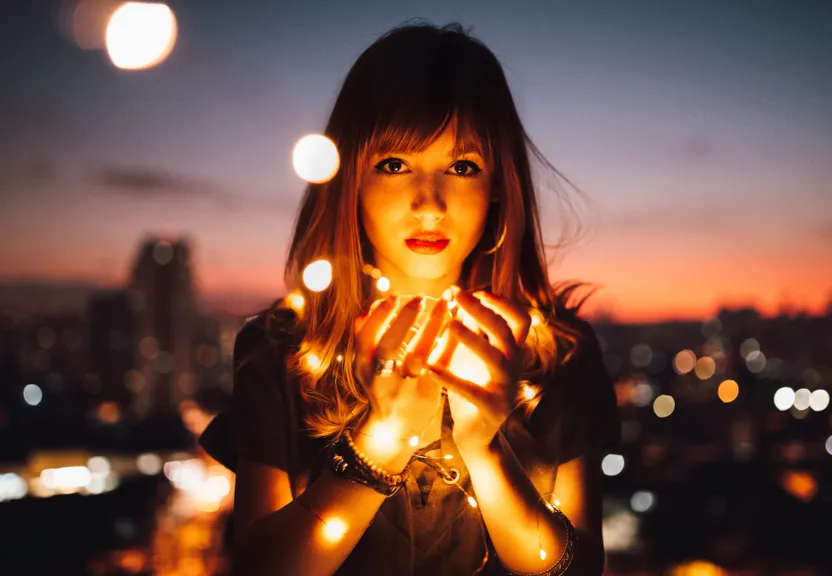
{"points": [[577, 413]]}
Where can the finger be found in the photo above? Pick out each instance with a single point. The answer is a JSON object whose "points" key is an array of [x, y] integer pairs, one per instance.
{"points": [[391, 344], [495, 327], [418, 354], [375, 322], [493, 358], [475, 394], [516, 318]]}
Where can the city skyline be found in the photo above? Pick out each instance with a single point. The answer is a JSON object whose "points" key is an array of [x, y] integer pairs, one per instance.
{"points": [[699, 131]]}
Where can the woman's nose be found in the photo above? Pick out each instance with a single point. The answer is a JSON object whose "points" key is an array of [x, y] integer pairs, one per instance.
{"points": [[429, 201]]}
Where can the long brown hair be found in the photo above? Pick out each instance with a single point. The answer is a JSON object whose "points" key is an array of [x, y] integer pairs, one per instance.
{"points": [[400, 94]]}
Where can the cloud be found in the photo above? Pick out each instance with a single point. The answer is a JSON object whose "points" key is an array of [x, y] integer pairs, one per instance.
{"points": [[696, 148], [144, 182]]}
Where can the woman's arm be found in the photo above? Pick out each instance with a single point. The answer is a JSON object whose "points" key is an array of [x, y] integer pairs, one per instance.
{"points": [[312, 534], [511, 507]]}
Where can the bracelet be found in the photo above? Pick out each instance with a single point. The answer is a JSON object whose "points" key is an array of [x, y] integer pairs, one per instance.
{"points": [[565, 560], [348, 462]]}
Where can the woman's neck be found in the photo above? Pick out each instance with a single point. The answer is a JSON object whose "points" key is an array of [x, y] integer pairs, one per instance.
{"points": [[402, 284]]}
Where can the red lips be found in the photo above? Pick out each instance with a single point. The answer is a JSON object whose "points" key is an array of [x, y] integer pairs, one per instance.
{"points": [[427, 243]]}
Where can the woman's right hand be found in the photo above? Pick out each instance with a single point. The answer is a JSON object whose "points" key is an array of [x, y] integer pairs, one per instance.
{"points": [[400, 405]]}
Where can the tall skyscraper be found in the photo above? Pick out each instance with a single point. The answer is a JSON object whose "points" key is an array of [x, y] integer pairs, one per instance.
{"points": [[166, 322]]}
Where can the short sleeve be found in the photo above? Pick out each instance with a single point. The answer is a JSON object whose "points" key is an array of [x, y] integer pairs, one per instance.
{"points": [[577, 412], [259, 424]]}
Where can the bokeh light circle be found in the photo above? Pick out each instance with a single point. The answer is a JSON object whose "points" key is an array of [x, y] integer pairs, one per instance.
{"points": [[317, 276], [612, 464], [642, 501], [315, 158], [684, 361], [140, 35], [664, 406], [32, 394], [728, 391], [784, 398], [819, 400]]}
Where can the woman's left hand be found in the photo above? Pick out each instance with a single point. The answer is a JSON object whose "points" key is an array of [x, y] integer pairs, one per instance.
{"points": [[480, 410]]}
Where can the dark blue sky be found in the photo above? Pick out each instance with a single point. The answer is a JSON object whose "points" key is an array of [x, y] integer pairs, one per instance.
{"points": [[701, 130]]}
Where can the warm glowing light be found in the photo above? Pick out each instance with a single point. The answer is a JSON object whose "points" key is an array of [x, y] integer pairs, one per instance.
{"points": [[472, 502], [684, 361], [339, 358], [383, 436], [819, 400], [448, 456], [664, 405], [528, 392], [728, 391], [295, 301], [784, 398], [705, 368], [801, 485], [313, 362], [334, 529], [317, 276], [140, 35], [542, 554], [697, 568], [468, 366], [316, 159], [149, 464], [414, 441], [383, 284]]}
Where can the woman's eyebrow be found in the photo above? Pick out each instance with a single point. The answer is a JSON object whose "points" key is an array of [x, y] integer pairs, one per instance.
{"points": [[463, 148]]}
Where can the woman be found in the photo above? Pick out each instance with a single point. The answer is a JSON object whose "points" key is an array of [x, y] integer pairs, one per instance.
{"points": [[359, 446]]}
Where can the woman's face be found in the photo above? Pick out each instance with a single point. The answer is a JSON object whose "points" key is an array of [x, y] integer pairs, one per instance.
{"points": [[424, 213]]}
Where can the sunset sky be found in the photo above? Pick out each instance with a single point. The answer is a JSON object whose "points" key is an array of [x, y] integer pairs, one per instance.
{"points": [[702, 132]]}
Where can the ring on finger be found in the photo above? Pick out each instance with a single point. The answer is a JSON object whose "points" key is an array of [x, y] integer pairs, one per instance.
{"points": [[383, 367]]}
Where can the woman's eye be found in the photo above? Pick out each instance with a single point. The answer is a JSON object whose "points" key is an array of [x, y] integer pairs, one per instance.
{"points": [[466, 168], [390, 166]]}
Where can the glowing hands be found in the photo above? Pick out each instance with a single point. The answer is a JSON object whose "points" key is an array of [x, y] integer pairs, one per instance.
{"points": [[499, 330], [399, 405]]}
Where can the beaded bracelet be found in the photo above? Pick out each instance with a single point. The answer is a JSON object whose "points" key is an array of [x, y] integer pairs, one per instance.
{"points": [[565, 560], [348, 462]]}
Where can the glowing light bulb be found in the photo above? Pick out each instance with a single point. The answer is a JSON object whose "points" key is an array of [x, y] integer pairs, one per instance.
{"points": [[339, 358], [528, 392], [295, 301], [140, 35], [542, 554], [313, 362], [472, 502], [334, 529], [448, 456], [315, 158], [414, 441], [383, 284], [317, 276], [383, 436]]}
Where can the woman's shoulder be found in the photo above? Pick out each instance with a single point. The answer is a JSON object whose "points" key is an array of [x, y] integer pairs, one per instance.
{"points": [[270, 333]]}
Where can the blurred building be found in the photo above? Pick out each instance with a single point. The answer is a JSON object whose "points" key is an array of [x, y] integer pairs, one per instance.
{"points": [[167, 326], [113, 347]]}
